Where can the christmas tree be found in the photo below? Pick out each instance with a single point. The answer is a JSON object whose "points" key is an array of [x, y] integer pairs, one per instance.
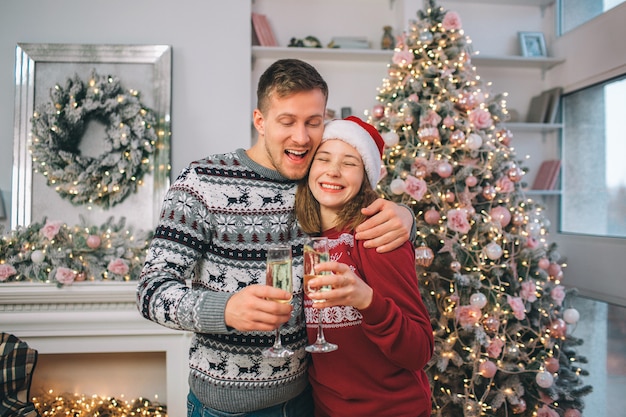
{"points": [[490, 276]]}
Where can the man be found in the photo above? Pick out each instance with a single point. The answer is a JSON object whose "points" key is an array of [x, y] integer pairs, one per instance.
{"points": [[218, 219]]}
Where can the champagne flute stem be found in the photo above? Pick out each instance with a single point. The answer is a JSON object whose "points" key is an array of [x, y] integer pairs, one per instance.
{"points": [[320, 329], [277, 342]]}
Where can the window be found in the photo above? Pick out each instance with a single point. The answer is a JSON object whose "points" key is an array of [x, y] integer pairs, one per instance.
{"points": [[594, 167], [574, 13]]}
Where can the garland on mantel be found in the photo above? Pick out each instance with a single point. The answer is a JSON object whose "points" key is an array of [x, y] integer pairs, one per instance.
{"points": [[57, 130], [53, 252]]}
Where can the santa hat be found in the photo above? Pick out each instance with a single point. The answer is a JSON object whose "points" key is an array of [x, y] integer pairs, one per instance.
{"points": [[364, 138]]}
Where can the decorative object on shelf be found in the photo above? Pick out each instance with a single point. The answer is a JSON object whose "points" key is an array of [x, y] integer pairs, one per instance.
{"points": [[127, 147], [349, 42], [487, 295], [58, 127], [547, 175], [388, 41], [543, 108], [308, 42], [53, 252], [262, 33], [50, 404], [554, 100], [532, 44], [3, 213]]}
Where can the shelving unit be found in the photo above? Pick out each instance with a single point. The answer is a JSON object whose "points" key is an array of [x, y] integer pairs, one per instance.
{"points": [[353, 75], [378, 55]]}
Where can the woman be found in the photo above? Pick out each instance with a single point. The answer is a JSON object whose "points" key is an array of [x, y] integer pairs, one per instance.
{"points": [[374, 311]]}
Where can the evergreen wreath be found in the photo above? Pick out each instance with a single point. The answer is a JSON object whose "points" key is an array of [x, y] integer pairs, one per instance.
{"points": [[58, 127]]}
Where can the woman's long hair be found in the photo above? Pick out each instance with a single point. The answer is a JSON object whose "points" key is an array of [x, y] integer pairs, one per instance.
{"points": [[348, 218]]}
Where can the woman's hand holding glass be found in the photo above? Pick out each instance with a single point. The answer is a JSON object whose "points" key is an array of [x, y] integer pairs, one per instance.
{"points": [[347, 288]]}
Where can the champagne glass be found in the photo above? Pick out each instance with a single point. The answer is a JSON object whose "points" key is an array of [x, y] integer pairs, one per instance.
{"points": [[278, 274], [315, 252]]}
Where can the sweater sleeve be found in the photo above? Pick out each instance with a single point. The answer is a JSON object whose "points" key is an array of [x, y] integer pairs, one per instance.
{"points": [[180, 238], [397, 320]]}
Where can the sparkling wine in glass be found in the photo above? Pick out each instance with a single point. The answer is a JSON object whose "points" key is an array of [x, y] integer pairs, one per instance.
{"points": [[315, 252], [278, 274]]}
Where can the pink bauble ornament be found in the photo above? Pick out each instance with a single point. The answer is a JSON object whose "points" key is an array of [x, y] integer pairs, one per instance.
{"points": [[554, 269], [571, 316], [80, 276], [544, 379], [378, 111], [518, 218], [491, 324], [457, 138], [429, 135], [93, 241], [515, 174], [552, 365], [501, 215], [572, 412], [520, 407], [489, 192], [455, 266], [478, 299], [471, 181], [504, 136], [444, 169], [432, 216], [487, 369], [424, 256], [558, 328], [544, 263], [449, 196]]}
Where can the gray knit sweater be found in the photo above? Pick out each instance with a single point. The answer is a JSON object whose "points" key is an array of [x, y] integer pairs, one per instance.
{"points": [[217, 221]]}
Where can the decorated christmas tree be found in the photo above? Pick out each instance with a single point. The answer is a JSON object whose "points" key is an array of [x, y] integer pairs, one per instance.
{"points": [[488, 272]]}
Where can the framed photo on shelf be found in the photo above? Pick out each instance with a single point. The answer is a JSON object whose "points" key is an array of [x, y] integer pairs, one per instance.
{"points": [[532, 44], [46, 72]]}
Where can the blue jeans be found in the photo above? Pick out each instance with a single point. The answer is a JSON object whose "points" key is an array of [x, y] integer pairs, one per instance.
{"points": [[300, 406]]}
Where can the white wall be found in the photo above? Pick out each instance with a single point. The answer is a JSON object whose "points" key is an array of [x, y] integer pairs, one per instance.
{"points": [[211, 63], [595, 51]]}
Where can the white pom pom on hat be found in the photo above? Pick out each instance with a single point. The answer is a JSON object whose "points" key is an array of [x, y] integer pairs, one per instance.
{"points": [[364, 138]]}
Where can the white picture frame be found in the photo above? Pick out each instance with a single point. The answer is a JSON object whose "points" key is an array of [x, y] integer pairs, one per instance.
{"points": [[532, 44], [37, 68]]}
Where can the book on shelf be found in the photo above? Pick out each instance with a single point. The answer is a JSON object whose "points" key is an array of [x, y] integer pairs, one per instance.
{"points": [[547, 175], [349, 42], [544, 108], [552, 110], [262, 33], [537, 109]]}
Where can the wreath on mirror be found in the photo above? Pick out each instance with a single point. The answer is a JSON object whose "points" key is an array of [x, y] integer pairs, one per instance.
{"points": [[58, 127]]}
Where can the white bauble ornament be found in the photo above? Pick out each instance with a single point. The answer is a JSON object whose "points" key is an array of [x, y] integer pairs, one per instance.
{"points": [[544, 379], [478, 299], [571, 316], [397, 186], [391, 138], [534, 229], [493, 251], [37, 256], [474, 141]]}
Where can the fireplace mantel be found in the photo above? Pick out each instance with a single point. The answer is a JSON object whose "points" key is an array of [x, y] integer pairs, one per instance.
{"points": [[94, 317]]}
